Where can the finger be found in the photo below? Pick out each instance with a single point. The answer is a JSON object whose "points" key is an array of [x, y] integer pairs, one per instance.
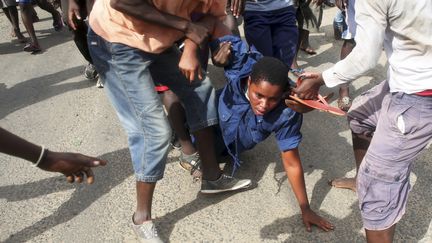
{"points": [[328, 225], [77, 16], [192, 75], [71, 22], [70, 178], [79, 176], [200, 76], [308, 227], [234, 8], [90, 175]]}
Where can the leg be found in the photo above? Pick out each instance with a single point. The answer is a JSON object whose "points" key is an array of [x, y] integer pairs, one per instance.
{"points": [[177, 118], [362, 119], [26, 15], [344, 101], [258, 32], [304, 42], [145, 192], [130, 88], [284, 35], [360, 146], [402, 132], [12, 14], [380, 236], [57, 20]]}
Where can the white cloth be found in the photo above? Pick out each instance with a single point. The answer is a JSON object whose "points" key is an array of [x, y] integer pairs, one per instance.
{"points": [[405, 29]]}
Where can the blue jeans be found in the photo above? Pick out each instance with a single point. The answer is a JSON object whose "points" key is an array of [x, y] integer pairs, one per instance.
{"points": [[128, 75]]}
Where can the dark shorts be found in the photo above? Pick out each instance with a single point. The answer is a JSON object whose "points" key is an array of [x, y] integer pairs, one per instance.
{"points": [[401, 125]]}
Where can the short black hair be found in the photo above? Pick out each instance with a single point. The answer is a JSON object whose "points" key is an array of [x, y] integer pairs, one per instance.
{"points": [[271, 70]]}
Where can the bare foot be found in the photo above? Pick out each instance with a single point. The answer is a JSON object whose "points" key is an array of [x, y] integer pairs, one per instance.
{"points": [[345, 183]]}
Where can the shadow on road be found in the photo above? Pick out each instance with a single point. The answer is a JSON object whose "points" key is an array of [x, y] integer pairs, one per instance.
{"points": [[115, 172], [39, 89]]}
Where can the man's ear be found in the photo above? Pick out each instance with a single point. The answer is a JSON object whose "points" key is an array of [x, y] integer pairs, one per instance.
{"points": [[249, 81]]}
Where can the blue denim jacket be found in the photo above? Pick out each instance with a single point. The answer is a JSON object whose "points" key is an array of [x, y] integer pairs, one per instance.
{"points": [[241, 128]]}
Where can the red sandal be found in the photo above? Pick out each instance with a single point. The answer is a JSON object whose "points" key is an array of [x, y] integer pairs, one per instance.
{"points": [[319, 104]]}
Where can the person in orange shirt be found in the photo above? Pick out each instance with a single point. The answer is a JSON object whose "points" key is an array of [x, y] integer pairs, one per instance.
{"points": [[132, 43]]}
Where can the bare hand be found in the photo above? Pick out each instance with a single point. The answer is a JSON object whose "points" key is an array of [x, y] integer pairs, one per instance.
{"points": [[311, 218], [197, 33], [74, 166], [73, 13], [309, 86], [301, 108], [222, 55], [189, 63], [237, 7]]}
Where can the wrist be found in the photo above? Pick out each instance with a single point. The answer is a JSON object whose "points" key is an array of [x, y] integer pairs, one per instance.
{"points": [[185, 25], [304, 208], [41, 156], [190, 46], [45, 160]]}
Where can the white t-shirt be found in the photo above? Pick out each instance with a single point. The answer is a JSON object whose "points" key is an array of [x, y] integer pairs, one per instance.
{"points": [[404, 27]]}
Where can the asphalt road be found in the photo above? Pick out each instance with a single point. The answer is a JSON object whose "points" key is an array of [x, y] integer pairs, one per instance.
{"points": [[45, 99]]}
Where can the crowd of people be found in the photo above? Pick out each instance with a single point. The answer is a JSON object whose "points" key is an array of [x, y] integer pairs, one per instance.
{"points": [[141, 50]]}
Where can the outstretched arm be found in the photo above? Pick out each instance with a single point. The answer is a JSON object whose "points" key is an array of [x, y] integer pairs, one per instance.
{"points": [[74, 166], [294, 171]]}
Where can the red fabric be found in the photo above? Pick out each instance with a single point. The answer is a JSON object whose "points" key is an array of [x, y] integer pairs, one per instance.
{"points": [[161, 88], [427, 92]]}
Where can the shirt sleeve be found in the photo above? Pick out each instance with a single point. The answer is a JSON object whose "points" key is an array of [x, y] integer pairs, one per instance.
{"points": [[371, 19], [288, 133]]}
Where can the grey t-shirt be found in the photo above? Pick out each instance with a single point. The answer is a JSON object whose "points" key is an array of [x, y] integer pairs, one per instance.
{"points": [[267, 5]]}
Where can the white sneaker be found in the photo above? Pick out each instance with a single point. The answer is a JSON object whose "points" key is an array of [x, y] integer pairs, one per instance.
{"points": [[146, 232]]}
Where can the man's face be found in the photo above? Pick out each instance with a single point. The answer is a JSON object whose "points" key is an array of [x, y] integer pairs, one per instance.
{"points": [[263, 96]]}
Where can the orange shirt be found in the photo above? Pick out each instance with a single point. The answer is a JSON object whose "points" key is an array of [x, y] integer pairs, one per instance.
{"points": [[117, 27]]}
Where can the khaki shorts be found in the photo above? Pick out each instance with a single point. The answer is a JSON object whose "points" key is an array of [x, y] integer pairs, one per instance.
{"points": [[401, 125]]}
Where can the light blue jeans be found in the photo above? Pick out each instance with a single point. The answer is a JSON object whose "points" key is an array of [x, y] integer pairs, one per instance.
{"points": [[128, 75]]}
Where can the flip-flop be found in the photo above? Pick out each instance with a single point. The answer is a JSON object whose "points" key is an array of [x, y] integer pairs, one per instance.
{"points": [[319, 104], [308, 50], [30, 47]]}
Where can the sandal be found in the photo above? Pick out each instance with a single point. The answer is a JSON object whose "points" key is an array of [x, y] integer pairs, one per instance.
{"points": [[319, 104], [297, 71], [344, 103], [308, 50], [191, 163], [30, 47]]}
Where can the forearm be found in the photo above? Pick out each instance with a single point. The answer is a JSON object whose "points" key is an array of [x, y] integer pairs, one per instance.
{"points": [[294, 171], [371, 25], [143, 10], [13, 145]]}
